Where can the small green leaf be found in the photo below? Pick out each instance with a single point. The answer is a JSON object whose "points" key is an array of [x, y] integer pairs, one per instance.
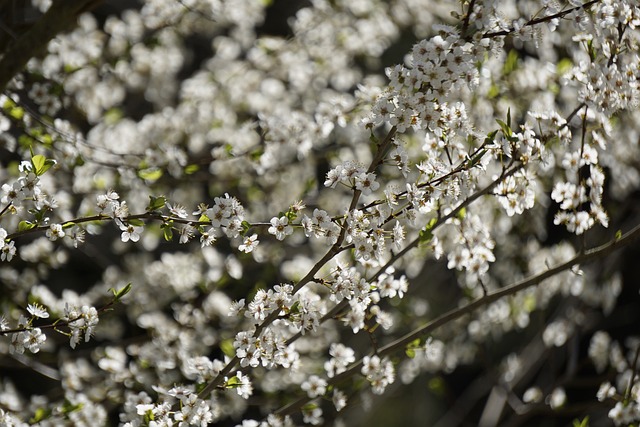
{"points": [[156, 203], [425, 234], [68, 224], [511, 63], [41, 414], [117, 295], [437, 386], [38, 162], [618, 234], [506, 130], [291, 215], [136, 222], [191, 169], [493, 92], [410, 350], [232, 382], [16, 112], [112, 116], [227, 347], [583, 423], [25, 225], [168, 234], [68, 407], [150, 174], [41, 164], [462, 213], [563, 66], [491, 136]]}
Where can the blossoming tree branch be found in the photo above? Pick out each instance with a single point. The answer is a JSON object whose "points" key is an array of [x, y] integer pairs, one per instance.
{"points": [[241, 213]]}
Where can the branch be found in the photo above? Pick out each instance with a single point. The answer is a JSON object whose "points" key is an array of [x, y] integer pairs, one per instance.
{"points": [[401, 343], [541, 20], [60, 17], [332, 252]]}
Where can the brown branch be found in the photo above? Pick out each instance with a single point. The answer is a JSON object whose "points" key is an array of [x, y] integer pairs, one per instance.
{"points": [[541, 20], [60, 17], [401, 343]]}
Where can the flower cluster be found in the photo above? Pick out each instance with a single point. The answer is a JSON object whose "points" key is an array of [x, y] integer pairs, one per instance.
{"points": [[81, 321], [446, 172], [379, 372]]}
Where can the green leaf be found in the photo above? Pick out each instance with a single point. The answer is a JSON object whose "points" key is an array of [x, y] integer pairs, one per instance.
{"points": [[16, 112], [511, 63], [41, 164], [437, 386], [425, 234], [509, 117], [227, 347], [232, 382], [117, 295], [491, 136], [68, 407], [563, 66], [291, 215], [462, 213], [494, 91], [136, 222], [38, 162], [25, 225], [113, 115], [410, 350], [150, 174], [506, 130], [475, 160], [618, 234], [191, 169], [583, 423], [168, 233], [41, 414], [156, 203]]}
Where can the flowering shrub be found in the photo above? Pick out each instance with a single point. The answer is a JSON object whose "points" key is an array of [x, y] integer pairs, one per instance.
{"points": [[228, 225]]}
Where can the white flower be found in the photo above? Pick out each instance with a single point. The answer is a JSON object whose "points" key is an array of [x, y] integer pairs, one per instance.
{"points": [[366, 182], [314, 386], [33, 340], [55, 232], [3, 235], [208, 237], [37, 311], [398, 235], [178, 210], [243, 387], [532, 395], [557, 398], [249, 244], [280, 227], [8, 251], [129, 232], [339, 399]]}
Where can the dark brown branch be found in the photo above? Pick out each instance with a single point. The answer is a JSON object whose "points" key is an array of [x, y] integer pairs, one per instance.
{"points": [[60, 17], [401, 343], [536, 21]]}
